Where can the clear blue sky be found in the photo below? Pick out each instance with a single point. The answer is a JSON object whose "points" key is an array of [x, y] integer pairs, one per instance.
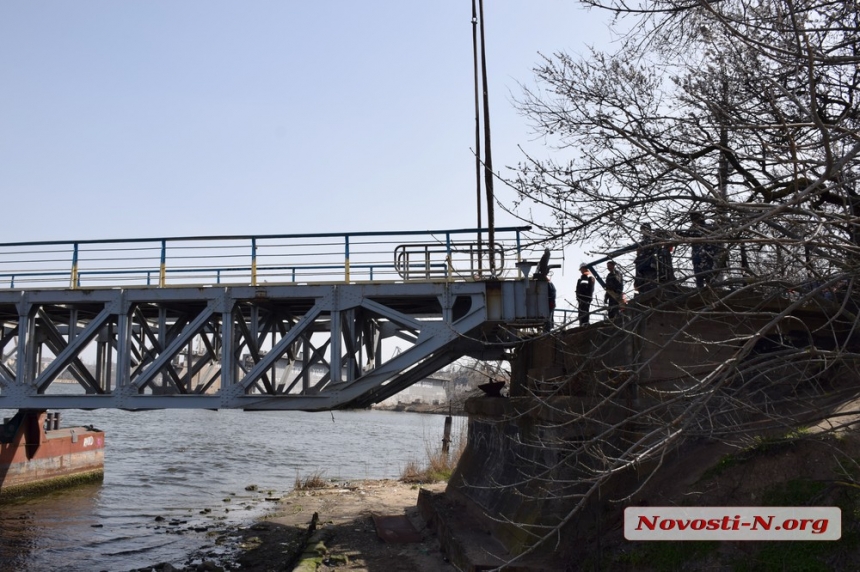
{"points": [[141, 118]]}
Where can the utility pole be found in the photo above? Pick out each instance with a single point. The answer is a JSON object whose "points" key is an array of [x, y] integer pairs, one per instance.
{"points": [[478, 20], [477, 131], [488, 154]]}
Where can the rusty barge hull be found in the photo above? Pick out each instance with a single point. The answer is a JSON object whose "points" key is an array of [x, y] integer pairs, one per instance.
{"points": [[36, 460]]}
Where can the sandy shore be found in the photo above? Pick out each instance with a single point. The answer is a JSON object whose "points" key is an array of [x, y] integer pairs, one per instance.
{"points": [[345, 538]]}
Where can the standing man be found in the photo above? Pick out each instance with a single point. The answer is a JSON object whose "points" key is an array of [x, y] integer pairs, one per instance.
{"points": [[584, 294], [646, 264], [705, 254], [614, 290], [551, 294], [665, 266]]}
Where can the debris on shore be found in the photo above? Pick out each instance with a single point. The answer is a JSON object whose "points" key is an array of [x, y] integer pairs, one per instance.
{"points": [[324, 529]]}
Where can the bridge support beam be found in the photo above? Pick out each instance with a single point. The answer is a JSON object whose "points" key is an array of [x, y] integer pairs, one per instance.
{"points": [[309, 347]]}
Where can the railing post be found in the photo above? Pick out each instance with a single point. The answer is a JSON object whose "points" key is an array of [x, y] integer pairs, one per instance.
{"points": [[346, 262], [519, 253], [253, 262], [449, 271], [74, 274], [162, 271], [427, 264]]}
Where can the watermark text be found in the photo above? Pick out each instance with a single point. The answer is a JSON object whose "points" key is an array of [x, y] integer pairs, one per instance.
{"points": [[733, 523]]}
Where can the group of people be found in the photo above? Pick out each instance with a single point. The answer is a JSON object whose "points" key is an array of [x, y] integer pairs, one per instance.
{"points": [[613, 292], [653, 267]]}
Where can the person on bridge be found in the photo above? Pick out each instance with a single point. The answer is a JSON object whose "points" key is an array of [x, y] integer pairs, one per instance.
{"points": [[614, 294], [646, 263], [665, 266], [707, 256], [584, 294], [550, 322]]}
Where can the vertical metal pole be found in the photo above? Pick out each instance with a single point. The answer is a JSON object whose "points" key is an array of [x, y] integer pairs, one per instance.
{"points": [[109, 357], [306, 373], [73, 324], [100, 357], [446, 436], [477, 126], [189, 356], [123, 345], [488, 161], [73, 280], [254, 329], [274, 340], [449, 271], [26, 335], [335, 348], [346, 263], [377, 349], [38, 366], [162, 271], [349, 318], [519, 248], [253, 262], [228, 356], [162, 340]]}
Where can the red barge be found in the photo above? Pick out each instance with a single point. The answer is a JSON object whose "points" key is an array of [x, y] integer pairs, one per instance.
{"points": [[37, 455]]}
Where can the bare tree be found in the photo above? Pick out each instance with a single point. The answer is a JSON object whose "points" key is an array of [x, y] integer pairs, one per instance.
{"points": [[733, 129]]}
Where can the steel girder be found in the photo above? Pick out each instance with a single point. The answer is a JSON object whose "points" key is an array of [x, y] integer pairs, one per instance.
{"points": [[302, 347]]}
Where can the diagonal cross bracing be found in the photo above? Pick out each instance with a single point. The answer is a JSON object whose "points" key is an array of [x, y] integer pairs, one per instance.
{"points": [[173, 348], [280, 348], [307, 347], [71, 351]]}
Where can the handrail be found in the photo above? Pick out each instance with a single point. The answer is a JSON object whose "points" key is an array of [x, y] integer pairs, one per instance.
{"points": [[254, 259], [418, 261]]}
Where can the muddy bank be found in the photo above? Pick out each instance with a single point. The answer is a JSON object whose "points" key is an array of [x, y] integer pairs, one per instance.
{"points": [[326, 529]]}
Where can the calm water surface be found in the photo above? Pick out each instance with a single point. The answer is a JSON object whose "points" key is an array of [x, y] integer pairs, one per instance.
{"points": [[175, 464]]}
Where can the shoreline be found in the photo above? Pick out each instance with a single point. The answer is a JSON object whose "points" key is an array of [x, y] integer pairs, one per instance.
{"points": [[325, 529]]}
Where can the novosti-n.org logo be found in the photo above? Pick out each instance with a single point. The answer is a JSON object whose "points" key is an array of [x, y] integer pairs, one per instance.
{"points": [[733, 523]]}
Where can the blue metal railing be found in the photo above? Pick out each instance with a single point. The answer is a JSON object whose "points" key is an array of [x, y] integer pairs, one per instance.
{"points": [[449, 255]]}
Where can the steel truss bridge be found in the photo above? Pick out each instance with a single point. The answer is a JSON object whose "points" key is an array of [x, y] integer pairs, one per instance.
{"points": [[245, 322]]}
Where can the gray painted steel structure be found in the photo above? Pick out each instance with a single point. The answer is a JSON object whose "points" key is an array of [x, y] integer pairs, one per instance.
{"points": [[181, 346]]}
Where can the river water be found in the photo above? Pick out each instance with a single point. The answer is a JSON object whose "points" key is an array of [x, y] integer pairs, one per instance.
{"points": [[191, 468]]}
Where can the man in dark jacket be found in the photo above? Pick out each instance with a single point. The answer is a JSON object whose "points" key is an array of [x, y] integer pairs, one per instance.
{"points": [[551, 294], [584, 294], [614, 290], [646, 264], [706, 255]]}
